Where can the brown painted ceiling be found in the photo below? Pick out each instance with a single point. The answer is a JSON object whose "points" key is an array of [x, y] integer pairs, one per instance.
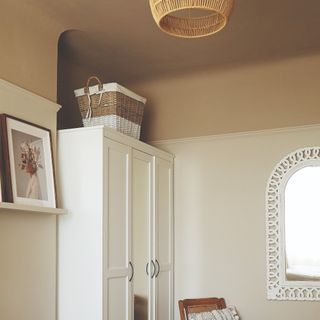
{"points": [[121, 38]]}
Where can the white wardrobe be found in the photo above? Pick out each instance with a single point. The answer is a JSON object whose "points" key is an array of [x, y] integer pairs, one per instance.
{"points": [[115, 247]]}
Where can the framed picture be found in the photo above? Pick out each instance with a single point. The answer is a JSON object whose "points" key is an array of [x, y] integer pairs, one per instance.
{"points": [[27, 174]]}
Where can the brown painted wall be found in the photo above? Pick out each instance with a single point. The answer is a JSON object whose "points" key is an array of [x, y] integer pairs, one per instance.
{"points": [[28, 48], [279, 94], [274, 95]]}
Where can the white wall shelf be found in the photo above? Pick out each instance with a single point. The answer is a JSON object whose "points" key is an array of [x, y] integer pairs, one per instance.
{"points": [[22, 208]]}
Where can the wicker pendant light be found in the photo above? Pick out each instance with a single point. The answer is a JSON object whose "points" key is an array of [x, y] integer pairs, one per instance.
{"points": [[181, 18]]}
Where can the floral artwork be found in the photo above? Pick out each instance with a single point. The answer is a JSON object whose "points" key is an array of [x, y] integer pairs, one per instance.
{"points": [[30, 158], [27, 169], [30, 163]]}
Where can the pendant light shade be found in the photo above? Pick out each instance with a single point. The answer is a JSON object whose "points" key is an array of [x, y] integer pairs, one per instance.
{"points": [[191, 18]]}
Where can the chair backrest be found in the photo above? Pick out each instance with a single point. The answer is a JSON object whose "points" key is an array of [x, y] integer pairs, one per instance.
{"points": [[199, 305]]}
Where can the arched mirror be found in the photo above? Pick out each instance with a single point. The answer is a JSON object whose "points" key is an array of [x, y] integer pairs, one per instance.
{"points": [[293, 227], [302, 223]]}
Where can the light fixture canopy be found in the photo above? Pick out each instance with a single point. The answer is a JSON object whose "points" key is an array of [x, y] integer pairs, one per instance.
{"points": [[215, 15]]}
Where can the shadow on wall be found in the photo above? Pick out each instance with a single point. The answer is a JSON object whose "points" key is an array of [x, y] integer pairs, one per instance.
{"points": [[69, 115], [72, 74]]}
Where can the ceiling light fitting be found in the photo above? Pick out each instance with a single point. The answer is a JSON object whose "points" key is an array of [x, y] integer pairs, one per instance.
{"points": [[191, 18]]}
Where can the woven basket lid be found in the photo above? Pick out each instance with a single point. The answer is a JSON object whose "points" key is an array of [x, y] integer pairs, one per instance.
{"points": [[216, 14]]}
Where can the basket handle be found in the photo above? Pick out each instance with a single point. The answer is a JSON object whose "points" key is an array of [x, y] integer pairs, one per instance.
{"points": [[86, 88], [86, 91]]}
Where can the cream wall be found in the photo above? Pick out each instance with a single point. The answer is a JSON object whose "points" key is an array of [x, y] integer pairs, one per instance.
{"points": [[28, 241], [220, 184], [250, 97]]}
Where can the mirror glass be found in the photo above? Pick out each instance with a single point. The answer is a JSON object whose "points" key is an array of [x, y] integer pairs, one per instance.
{"points": [[140, 254], [302, 225]]}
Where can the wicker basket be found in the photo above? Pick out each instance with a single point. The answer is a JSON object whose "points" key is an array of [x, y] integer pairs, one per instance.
{"points": [[111, 105]]}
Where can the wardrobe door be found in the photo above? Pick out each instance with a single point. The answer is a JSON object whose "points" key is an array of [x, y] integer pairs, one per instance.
{"points": [[117, 232], [141, 221], [164, 239]]}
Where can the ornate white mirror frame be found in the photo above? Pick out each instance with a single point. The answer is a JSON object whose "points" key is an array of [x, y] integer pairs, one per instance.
{"points": [[278, 287]]}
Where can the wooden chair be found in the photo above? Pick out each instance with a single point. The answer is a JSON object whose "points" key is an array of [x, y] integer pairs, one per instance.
{"points": [[199, 305]]}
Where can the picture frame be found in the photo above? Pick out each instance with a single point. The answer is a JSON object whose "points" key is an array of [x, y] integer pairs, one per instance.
{"points": [[27, 171]]}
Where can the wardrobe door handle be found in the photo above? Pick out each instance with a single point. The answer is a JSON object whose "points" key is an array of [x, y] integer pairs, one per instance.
{"points": [[132, 271], [147, 268], [158, 264], [154, 269]]}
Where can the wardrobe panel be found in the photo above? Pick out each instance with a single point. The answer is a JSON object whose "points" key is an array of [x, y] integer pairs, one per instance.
{"points": [[118, 181], [118, 299], [164, 240], [164, 297], [141, 235], [163, 211], [117, 227]]}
